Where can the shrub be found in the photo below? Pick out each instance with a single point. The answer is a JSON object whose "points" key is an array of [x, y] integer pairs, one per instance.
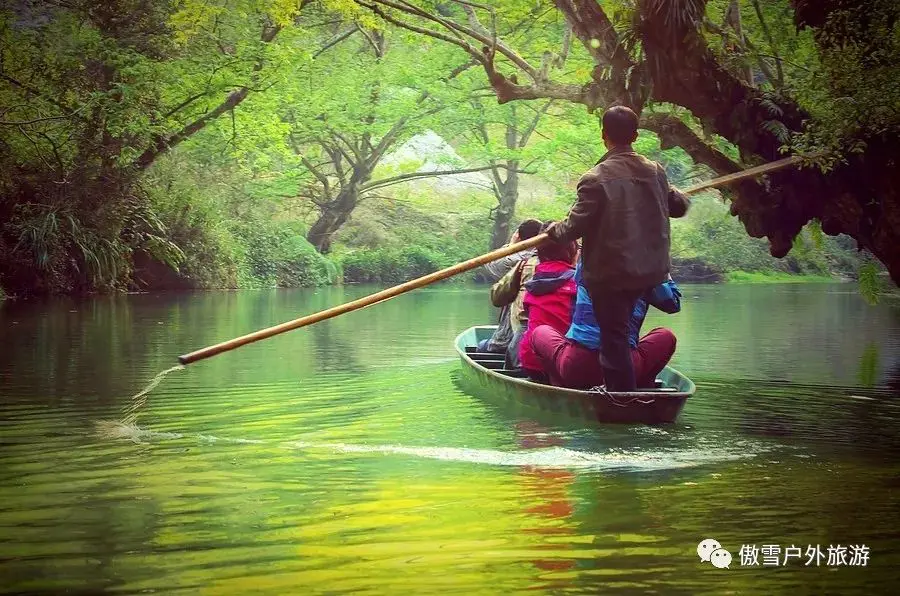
{"points": [[391, 265], [279, 255]]}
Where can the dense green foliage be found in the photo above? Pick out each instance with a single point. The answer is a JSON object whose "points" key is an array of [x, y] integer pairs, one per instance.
{"points": [[181, 144], [228, 241]]}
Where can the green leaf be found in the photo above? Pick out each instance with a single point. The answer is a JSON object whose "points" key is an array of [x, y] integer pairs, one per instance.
{"points": [[869, 288]]}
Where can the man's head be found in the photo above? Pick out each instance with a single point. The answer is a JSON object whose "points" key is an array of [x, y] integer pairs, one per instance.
{"points": [[552, 251], [620, 125], [529, 229]]}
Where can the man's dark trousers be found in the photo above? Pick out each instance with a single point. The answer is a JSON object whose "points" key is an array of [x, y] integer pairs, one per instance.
{"points": [[612, 309]]}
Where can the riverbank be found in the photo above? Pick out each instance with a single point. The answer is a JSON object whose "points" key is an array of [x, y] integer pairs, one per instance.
{"points": [[779, 277], [730, 278]]}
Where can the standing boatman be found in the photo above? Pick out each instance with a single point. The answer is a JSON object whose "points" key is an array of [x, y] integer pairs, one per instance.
{"points": [[622, 215]]}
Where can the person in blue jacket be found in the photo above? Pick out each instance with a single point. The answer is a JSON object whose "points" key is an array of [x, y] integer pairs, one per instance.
{"points": [[572, 360]]}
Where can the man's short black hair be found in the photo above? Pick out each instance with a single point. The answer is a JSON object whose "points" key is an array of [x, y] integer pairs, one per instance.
{"points": [[620, 125], [529, 228]]}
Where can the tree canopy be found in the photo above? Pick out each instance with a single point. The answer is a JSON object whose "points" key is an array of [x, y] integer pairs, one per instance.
{"points": [[217, 142]]}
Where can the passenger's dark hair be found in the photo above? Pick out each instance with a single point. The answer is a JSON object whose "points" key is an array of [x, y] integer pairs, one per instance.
{"points": [[620, 125], [553, 251], [529, 228]]}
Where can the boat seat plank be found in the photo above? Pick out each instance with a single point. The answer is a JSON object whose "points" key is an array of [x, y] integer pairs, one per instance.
{"points": [[486, 356], [492, 364]]}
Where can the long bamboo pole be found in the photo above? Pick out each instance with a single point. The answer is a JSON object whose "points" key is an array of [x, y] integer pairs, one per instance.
{"points": [[363, 302], [744, 174], [439, 275]]}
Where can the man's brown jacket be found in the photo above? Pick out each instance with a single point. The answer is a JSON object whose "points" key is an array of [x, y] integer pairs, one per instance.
{"points": [[622, 214]]}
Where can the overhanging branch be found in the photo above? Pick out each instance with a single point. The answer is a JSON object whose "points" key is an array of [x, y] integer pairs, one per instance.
{"points": [[673, 132], [414, 175], [162, 143]]}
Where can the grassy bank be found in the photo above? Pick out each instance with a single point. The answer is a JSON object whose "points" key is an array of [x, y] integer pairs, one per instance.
{"points": [[765, 277]]}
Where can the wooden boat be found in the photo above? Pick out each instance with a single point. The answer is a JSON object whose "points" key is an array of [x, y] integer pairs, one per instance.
{"points": [[484, 372]]}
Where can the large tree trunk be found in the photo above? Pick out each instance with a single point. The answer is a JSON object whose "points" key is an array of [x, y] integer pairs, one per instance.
{"points": [[859, 199], [507, 195], [332, 216]]}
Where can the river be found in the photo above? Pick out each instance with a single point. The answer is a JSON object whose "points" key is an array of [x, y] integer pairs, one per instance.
{"points": [[344, 457]]}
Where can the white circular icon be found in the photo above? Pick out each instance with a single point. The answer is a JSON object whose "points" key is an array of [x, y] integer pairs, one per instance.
{"points": [[706, 548], [720, 558]]}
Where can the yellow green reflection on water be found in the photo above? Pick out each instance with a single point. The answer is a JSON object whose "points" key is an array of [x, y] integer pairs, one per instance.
{"points": [[346, 458]]}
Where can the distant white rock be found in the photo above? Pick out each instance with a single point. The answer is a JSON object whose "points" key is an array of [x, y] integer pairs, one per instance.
{"points": [[432, 153]]}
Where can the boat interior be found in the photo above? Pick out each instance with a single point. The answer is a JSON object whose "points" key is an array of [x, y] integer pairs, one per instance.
{"points": [[497, 363]]}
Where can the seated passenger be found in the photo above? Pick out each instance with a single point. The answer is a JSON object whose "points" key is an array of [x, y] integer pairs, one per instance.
{"points": [[549, 298], [572, 360], [510, 292], [500, 270]]}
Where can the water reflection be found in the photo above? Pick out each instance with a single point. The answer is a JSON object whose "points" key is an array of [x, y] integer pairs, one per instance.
{"points": [[549, 490], [343, 457]]}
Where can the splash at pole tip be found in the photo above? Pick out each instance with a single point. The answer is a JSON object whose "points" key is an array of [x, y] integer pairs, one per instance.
{"points": [[116, 429], [139, 400]]}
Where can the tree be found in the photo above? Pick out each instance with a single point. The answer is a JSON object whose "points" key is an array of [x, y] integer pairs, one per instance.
{"points": [[514, 125], [371, 95], [653, 54], [94, 93]]}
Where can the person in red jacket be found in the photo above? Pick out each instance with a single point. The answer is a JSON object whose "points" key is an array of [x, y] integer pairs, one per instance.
{"points": [[549, 298]]}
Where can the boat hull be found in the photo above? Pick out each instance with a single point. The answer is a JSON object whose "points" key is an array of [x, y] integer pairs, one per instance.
{"points": [[658, 406]]}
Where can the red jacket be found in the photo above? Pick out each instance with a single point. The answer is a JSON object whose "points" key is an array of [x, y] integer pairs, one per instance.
{"points": [[549, 298]]}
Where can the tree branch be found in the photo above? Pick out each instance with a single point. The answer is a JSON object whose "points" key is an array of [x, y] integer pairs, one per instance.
{"points": [[748, 47], [34, 92], [566, 45], [34, 121], [404, 177], [53, 146], [313, 169], [482, 37], [37, 147], [186, 103], [457, 41], [335, 156], [768, 33], [596, 32], [506, 89], [379, 51], [338, 39], [163, 143], [526, 134], [322, 178], [673, 132], [356, 158], [468, 8]]}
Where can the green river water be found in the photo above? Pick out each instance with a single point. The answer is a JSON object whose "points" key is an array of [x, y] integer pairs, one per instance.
{"points": [[345, 458]]}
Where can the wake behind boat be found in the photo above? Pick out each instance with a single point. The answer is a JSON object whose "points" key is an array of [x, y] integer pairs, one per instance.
{"points": [[485, 373]]}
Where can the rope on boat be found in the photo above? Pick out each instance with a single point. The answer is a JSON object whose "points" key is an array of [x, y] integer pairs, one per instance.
{"points": [[601, 390]]}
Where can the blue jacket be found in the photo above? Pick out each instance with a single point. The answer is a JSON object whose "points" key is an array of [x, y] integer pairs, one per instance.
{"points": [[584, 329]]}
